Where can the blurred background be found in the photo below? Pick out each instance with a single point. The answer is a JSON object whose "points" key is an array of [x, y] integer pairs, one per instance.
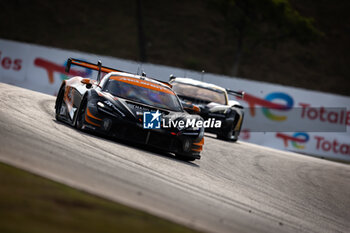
{"points": [[301, 43]]}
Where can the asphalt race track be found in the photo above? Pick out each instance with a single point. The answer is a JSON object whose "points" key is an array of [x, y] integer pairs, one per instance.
{"points": [[235, 187]]}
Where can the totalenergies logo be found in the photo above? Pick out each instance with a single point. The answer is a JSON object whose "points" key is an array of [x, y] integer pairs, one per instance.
{"points": [[268, 105], [297, 140], [51, 68]]}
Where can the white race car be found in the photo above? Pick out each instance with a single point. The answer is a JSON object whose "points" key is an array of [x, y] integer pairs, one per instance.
{"points": [[213, 102]]}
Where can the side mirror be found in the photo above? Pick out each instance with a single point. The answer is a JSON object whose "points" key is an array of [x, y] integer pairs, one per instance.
{"points": [[87, 82], [171, 77], [239, 94], [191, 108]]}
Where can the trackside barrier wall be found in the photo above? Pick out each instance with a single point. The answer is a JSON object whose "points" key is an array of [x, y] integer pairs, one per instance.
{"points": [[41, 68]]}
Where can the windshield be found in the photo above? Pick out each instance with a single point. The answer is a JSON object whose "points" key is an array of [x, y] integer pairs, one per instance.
{"points": [[200, 93], [144, 92]]}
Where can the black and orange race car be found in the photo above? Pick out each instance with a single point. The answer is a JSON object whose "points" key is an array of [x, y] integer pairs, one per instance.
{"points": [[131, 107]]}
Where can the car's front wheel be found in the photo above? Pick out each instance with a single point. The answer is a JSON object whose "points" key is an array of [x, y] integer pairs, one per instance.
{"points": [[59, 103], [186, 158], [229, 135], [80, 118]]}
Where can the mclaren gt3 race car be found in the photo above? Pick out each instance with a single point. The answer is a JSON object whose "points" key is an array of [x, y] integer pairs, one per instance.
{"points": [[214, 103], [119, 104]]}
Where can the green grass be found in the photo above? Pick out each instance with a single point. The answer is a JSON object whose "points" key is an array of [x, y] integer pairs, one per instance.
{"points": [[29, 203]]}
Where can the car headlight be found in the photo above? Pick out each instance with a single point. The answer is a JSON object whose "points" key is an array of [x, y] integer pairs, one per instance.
{"points": [[188, 127], [227, 111], [192, 128], [201, 133], [194, 131], [100, 104], [180, 127], [105, 104], [108, 107]]}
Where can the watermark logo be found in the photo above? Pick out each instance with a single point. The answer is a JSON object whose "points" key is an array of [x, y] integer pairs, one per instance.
{"points": [[151, 120], [191, 123]]}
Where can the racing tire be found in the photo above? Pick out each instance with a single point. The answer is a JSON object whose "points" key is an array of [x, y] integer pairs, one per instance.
{"points": [[185, 157], [59, 102], [235, 137], [80, 118], [228, 136]]}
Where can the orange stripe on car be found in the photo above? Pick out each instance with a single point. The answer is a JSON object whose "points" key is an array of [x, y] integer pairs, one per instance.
{"points": [[142, 83], [199, 143], [92, 116], [90, 122], [198, 150], [198, 146]]}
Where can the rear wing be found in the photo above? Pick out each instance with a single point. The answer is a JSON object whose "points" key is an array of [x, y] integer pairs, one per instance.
{"points": [[101, 68], [239, 94], [92, 66]]}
